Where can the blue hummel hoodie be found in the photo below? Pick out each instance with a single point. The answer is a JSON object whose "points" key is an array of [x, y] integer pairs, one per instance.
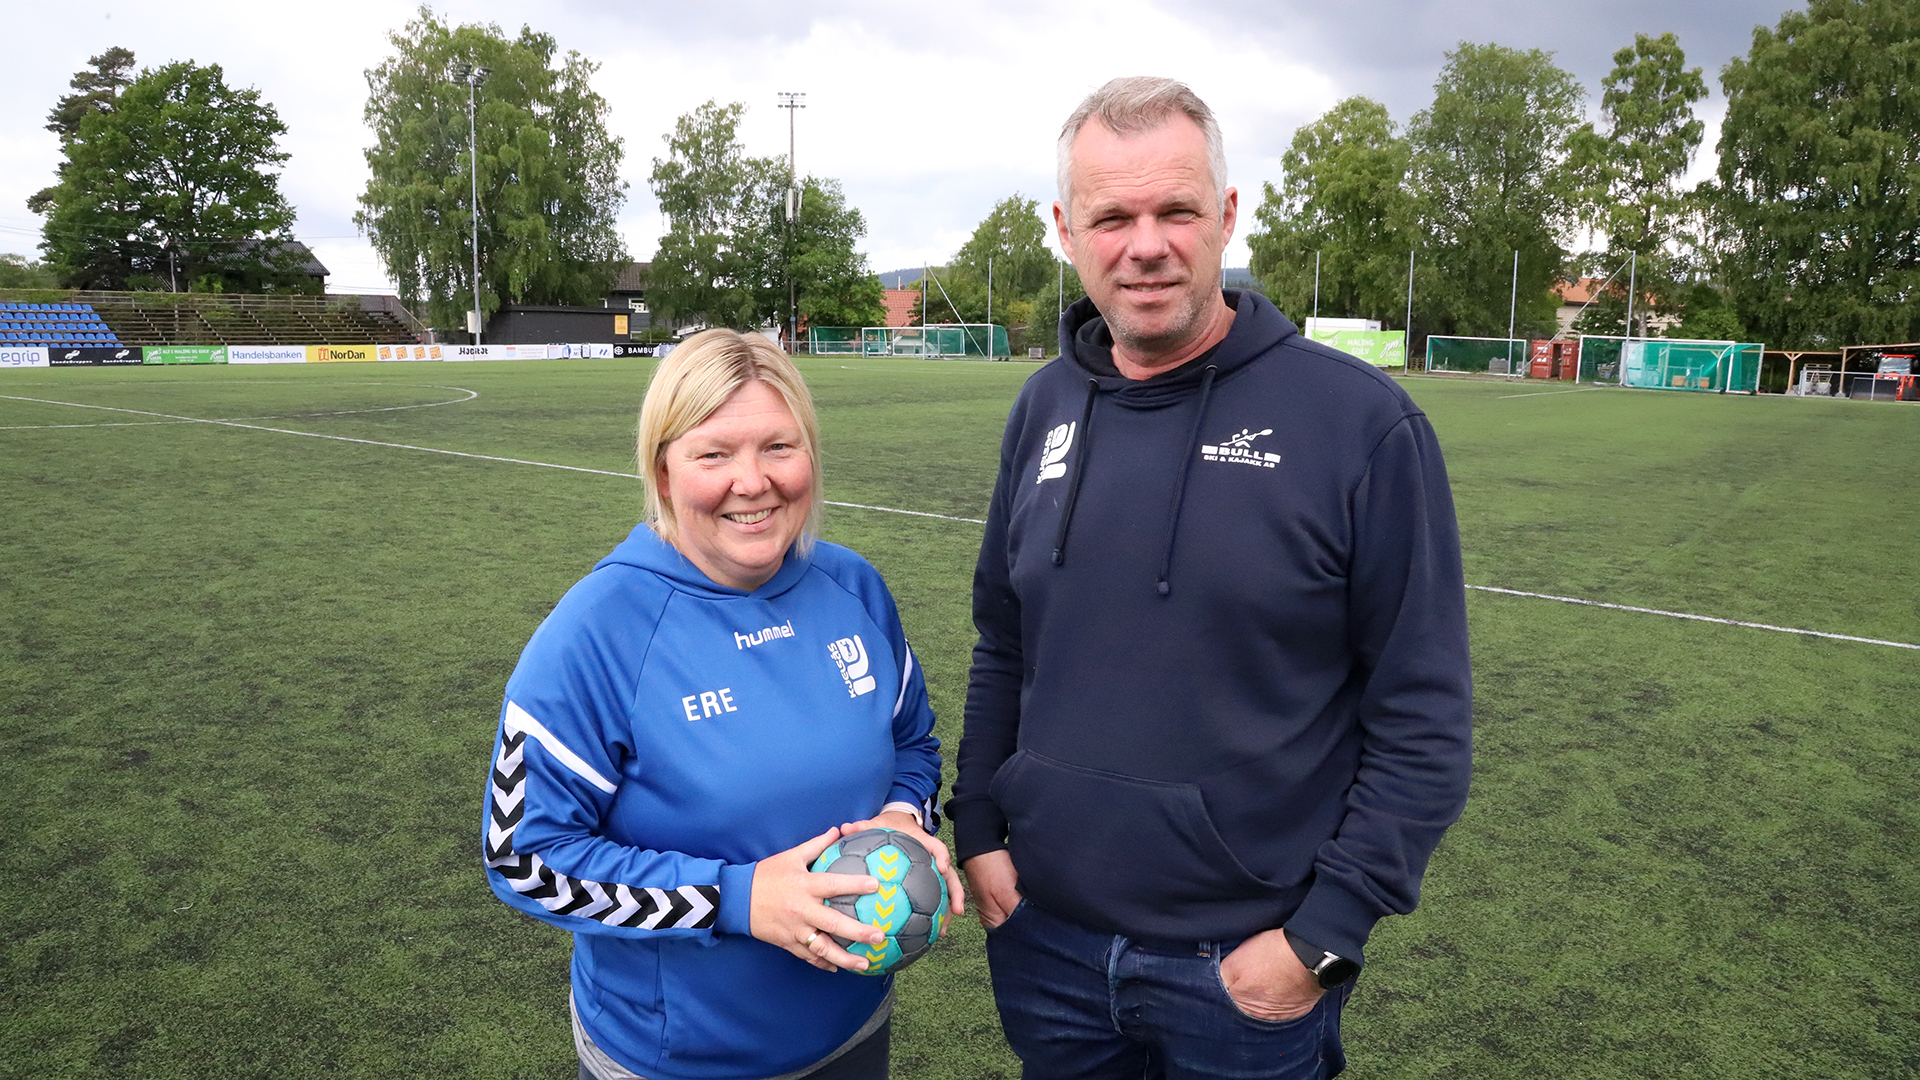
{"points": [[662, 734], [1221, 684]]}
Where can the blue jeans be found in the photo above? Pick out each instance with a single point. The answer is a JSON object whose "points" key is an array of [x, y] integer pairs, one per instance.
{"points": [[1078, 1003]]}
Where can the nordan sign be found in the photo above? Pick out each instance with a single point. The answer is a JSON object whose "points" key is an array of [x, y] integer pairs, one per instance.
{"points": [[336, 354]]}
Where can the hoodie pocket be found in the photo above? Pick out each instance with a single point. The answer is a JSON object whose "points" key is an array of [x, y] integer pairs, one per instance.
{"points": [[1142, 856]]}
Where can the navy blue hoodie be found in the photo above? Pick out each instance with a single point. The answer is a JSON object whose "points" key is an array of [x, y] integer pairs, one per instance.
{"points": [[1222, 681]]}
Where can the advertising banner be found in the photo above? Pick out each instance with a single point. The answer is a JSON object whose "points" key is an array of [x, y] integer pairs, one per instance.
{"points": [[473, 352], [33, 356], [338, 354], [184, 354], [1381, 348], [94, 356], [266, 354], [598, 352], [410, 352], [495, 352], [623, 349]]}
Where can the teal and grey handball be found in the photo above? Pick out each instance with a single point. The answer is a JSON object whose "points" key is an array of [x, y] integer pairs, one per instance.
{"points": [[911, 904]]}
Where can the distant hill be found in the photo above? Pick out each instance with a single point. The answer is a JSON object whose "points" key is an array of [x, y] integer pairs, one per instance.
{"points": [[1236, 277]]}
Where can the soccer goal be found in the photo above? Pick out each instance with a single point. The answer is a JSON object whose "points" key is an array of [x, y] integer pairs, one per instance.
{"points": [[951, 340], [1672, 363], [1487, 356], [834, 340]]}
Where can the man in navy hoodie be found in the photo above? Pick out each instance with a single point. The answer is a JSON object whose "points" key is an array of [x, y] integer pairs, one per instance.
{"points": [[1219, 712]]}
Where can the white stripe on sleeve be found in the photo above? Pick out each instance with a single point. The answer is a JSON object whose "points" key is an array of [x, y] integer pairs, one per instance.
{"points": [[906, 672], [518, 720]]}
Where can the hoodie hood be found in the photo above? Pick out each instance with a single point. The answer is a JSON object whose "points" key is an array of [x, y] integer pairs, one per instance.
{"points": [[644, 550], [1085, 340]]}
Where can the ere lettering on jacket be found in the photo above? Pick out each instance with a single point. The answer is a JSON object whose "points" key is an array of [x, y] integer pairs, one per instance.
{"points": [[708, 703]]}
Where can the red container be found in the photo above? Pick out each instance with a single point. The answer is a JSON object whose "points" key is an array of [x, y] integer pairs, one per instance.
{"points": [[1542, 365]]}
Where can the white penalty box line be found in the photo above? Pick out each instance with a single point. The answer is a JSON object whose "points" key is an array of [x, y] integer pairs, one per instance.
{"points": [[943, 517], [172, 418], [1694, 618]]}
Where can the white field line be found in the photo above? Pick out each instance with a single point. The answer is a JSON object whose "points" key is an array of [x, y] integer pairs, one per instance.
{"points": [[1695, 618], [169, 418], [913, 513], [471, 394], [944, 517], [1549, 393], [123, 423]]}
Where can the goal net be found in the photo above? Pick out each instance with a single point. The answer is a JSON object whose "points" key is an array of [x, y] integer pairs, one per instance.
{"points": [[1672, 363], [1495, 356], [958, 340]]}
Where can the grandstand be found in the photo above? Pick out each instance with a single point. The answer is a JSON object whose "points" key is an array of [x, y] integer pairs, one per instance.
{"points": [[157, 318], [53, 324]]}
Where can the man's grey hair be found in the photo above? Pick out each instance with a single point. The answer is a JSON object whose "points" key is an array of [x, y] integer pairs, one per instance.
{"points": [[1136, 104]]}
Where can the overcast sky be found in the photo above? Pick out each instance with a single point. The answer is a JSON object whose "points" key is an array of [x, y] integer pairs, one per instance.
{"points": [[928, 114]]}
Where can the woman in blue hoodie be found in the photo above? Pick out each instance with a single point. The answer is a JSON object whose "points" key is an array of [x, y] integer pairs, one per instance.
{"points": [[699, 718]]}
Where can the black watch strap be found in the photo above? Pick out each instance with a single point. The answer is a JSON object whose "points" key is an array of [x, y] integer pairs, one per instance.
{"points": [[1329, 970]]}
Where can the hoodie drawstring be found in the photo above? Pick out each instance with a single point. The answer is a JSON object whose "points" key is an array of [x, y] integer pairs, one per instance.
{"points": [[1180, 486], [1079, 468]]}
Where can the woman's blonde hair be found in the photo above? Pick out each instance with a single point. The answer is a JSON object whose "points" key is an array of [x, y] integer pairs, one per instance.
{"points": [[698, 377]]}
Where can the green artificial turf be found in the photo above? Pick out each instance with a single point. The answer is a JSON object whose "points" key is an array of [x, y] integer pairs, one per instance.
{"points": [[249, 680]]}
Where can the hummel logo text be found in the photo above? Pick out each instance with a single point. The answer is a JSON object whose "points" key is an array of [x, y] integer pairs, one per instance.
{"points": [[850, 655], [1053, 456], [761, 637], [1238, 450]]}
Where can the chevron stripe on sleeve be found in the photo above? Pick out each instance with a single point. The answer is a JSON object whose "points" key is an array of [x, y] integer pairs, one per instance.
{"points": [[688, 907]]}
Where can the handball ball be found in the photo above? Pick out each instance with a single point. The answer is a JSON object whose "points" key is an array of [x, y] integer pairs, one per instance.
{"points": [[910, 906]]}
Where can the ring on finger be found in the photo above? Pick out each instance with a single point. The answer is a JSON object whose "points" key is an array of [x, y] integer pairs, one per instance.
{"points": [[808, 944]]}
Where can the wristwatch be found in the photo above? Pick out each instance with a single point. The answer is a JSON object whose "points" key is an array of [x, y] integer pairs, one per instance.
{"points": [[1329, 969]]}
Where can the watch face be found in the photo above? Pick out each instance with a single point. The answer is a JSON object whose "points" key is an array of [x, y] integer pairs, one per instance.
{"points": [[1336, 971]]}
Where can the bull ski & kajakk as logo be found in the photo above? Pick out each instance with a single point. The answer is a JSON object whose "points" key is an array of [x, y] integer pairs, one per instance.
{"points": [[1238, 450], [1053, 456]]}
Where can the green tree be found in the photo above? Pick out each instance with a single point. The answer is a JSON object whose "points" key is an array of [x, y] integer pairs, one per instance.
{"points": [[548, 169], [1014, 237], [954, 295], [96, 90], [1706, 314], [1343, 197], [1489, 177], [832, 284], [1058, 294], [176, 184], [1819, 179], [20, 272], [721, 206], [1629, 174], [731, 257]]}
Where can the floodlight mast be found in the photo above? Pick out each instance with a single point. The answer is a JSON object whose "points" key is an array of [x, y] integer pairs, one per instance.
{"points": [[790, 101], [472, 76]]}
